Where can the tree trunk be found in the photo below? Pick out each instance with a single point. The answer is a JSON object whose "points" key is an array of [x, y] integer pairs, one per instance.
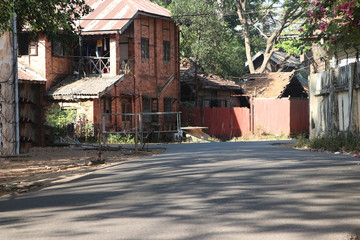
{"points": [[8, 131], [241, 12], [269, 50]]}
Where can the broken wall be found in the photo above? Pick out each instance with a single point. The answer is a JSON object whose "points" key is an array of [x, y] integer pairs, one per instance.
{"points": [[335, 101]]}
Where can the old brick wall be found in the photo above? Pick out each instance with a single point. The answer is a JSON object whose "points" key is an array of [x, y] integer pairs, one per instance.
{"points": [[152, 73], [57, 68], [48, 66], [148, 75]]}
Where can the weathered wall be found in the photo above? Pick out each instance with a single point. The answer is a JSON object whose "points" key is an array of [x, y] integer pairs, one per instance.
{"points": [[323, 60], [7, 95], [31, 113], [48, 66], [84, 110], [335, 101], [36, 62]]}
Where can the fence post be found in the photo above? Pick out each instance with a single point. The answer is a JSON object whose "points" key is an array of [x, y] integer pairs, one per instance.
{"points": [[136, 133], [103, 129], [141, 129]]}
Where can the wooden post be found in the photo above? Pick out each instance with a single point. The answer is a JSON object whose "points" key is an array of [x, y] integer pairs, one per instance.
{"points": [[136, 134], [141, 129], [8, 130]]}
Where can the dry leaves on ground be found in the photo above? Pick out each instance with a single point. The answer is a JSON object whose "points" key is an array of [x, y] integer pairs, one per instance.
{"points": [[43, 165]]}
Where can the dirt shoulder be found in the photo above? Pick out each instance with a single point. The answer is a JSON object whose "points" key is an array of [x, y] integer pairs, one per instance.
{"points": [[41, 166]]}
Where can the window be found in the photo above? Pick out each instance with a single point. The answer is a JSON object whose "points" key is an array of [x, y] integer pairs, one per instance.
{"points": [[27, 44], [61, 48], [144, 48], [58, 49], [150, 105], [126, 108], [166, 50], [146, 109], [154, 108], [167, 108], [107, 108]]}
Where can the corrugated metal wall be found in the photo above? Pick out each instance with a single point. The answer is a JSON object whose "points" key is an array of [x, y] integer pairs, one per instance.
{"points": [[272, 116]]}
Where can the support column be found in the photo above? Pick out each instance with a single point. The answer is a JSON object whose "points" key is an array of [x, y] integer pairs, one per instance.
{"points": [[7, 98]]}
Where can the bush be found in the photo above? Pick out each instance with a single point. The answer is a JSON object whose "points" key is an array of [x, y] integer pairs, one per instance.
{"points": [[120, 139], [59, 118]]}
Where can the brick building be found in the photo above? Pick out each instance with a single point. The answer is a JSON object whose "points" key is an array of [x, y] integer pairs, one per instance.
{"points": [[126, 62]]}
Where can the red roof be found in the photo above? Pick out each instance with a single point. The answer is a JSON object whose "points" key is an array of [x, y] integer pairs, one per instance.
{"points": [[110, 16]]}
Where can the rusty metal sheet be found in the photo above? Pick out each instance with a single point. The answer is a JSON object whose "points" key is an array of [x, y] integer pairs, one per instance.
{"points": [[110, 16]]}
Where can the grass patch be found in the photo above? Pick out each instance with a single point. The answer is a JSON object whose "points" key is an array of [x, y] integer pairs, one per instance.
{"points": [[120, 139], [339, 143], [260, 137]]}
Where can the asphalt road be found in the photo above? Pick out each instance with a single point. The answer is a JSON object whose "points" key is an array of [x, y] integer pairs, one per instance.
{"points": [[198, 191]]}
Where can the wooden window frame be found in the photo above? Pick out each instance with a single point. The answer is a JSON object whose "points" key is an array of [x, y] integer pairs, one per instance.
{"points": [[145, 48], [168, 108], [166, 51]]}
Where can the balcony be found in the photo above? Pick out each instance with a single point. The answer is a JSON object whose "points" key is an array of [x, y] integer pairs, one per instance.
{"points": [[96, 65]]}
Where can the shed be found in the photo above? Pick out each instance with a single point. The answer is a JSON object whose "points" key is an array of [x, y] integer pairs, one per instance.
{"points": [[273, 85], [214, 91], [31, 108]]}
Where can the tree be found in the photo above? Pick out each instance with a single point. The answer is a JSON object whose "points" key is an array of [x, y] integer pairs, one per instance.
{"points": [[335, 23], [290, 10], [207, 39], [163, 3], [47, 16]]}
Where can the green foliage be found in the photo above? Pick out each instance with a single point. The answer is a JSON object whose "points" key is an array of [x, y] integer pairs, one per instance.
{"points": [[84, 129], [294, 47], [121, 139], [48, 16], [163, 3], [59, 118], [207, 38]]}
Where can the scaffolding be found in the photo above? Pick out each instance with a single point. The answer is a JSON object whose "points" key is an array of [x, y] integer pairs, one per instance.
{"points": [[139, 130]]}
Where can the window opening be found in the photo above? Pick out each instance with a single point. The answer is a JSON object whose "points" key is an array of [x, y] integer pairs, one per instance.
{"points": [[145, 48], [166, 50]]}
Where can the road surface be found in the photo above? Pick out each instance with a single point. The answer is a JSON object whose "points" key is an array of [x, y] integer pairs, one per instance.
{"points": [[252, 190]]}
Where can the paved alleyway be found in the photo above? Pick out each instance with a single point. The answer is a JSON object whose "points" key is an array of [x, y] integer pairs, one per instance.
{"points": [[198, 191]]}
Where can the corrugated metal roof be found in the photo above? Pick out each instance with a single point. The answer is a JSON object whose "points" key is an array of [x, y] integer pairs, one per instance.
{"points": [[266, 85], [83, 88], [26, 74], [107, 14], [209, 81], [278, 57]]}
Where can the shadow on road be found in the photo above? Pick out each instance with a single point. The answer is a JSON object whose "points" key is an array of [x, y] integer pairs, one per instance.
{"points": [[207, 192]]}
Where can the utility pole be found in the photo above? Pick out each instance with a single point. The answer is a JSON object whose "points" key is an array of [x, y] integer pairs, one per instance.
{"points": [[16, 90]]}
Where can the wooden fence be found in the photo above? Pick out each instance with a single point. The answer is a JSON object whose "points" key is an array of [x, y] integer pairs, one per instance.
{"points": [[335, 101], [272, 116]]}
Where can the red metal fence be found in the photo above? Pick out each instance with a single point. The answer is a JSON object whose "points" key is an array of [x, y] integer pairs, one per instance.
{"points": [[273, 116]]}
